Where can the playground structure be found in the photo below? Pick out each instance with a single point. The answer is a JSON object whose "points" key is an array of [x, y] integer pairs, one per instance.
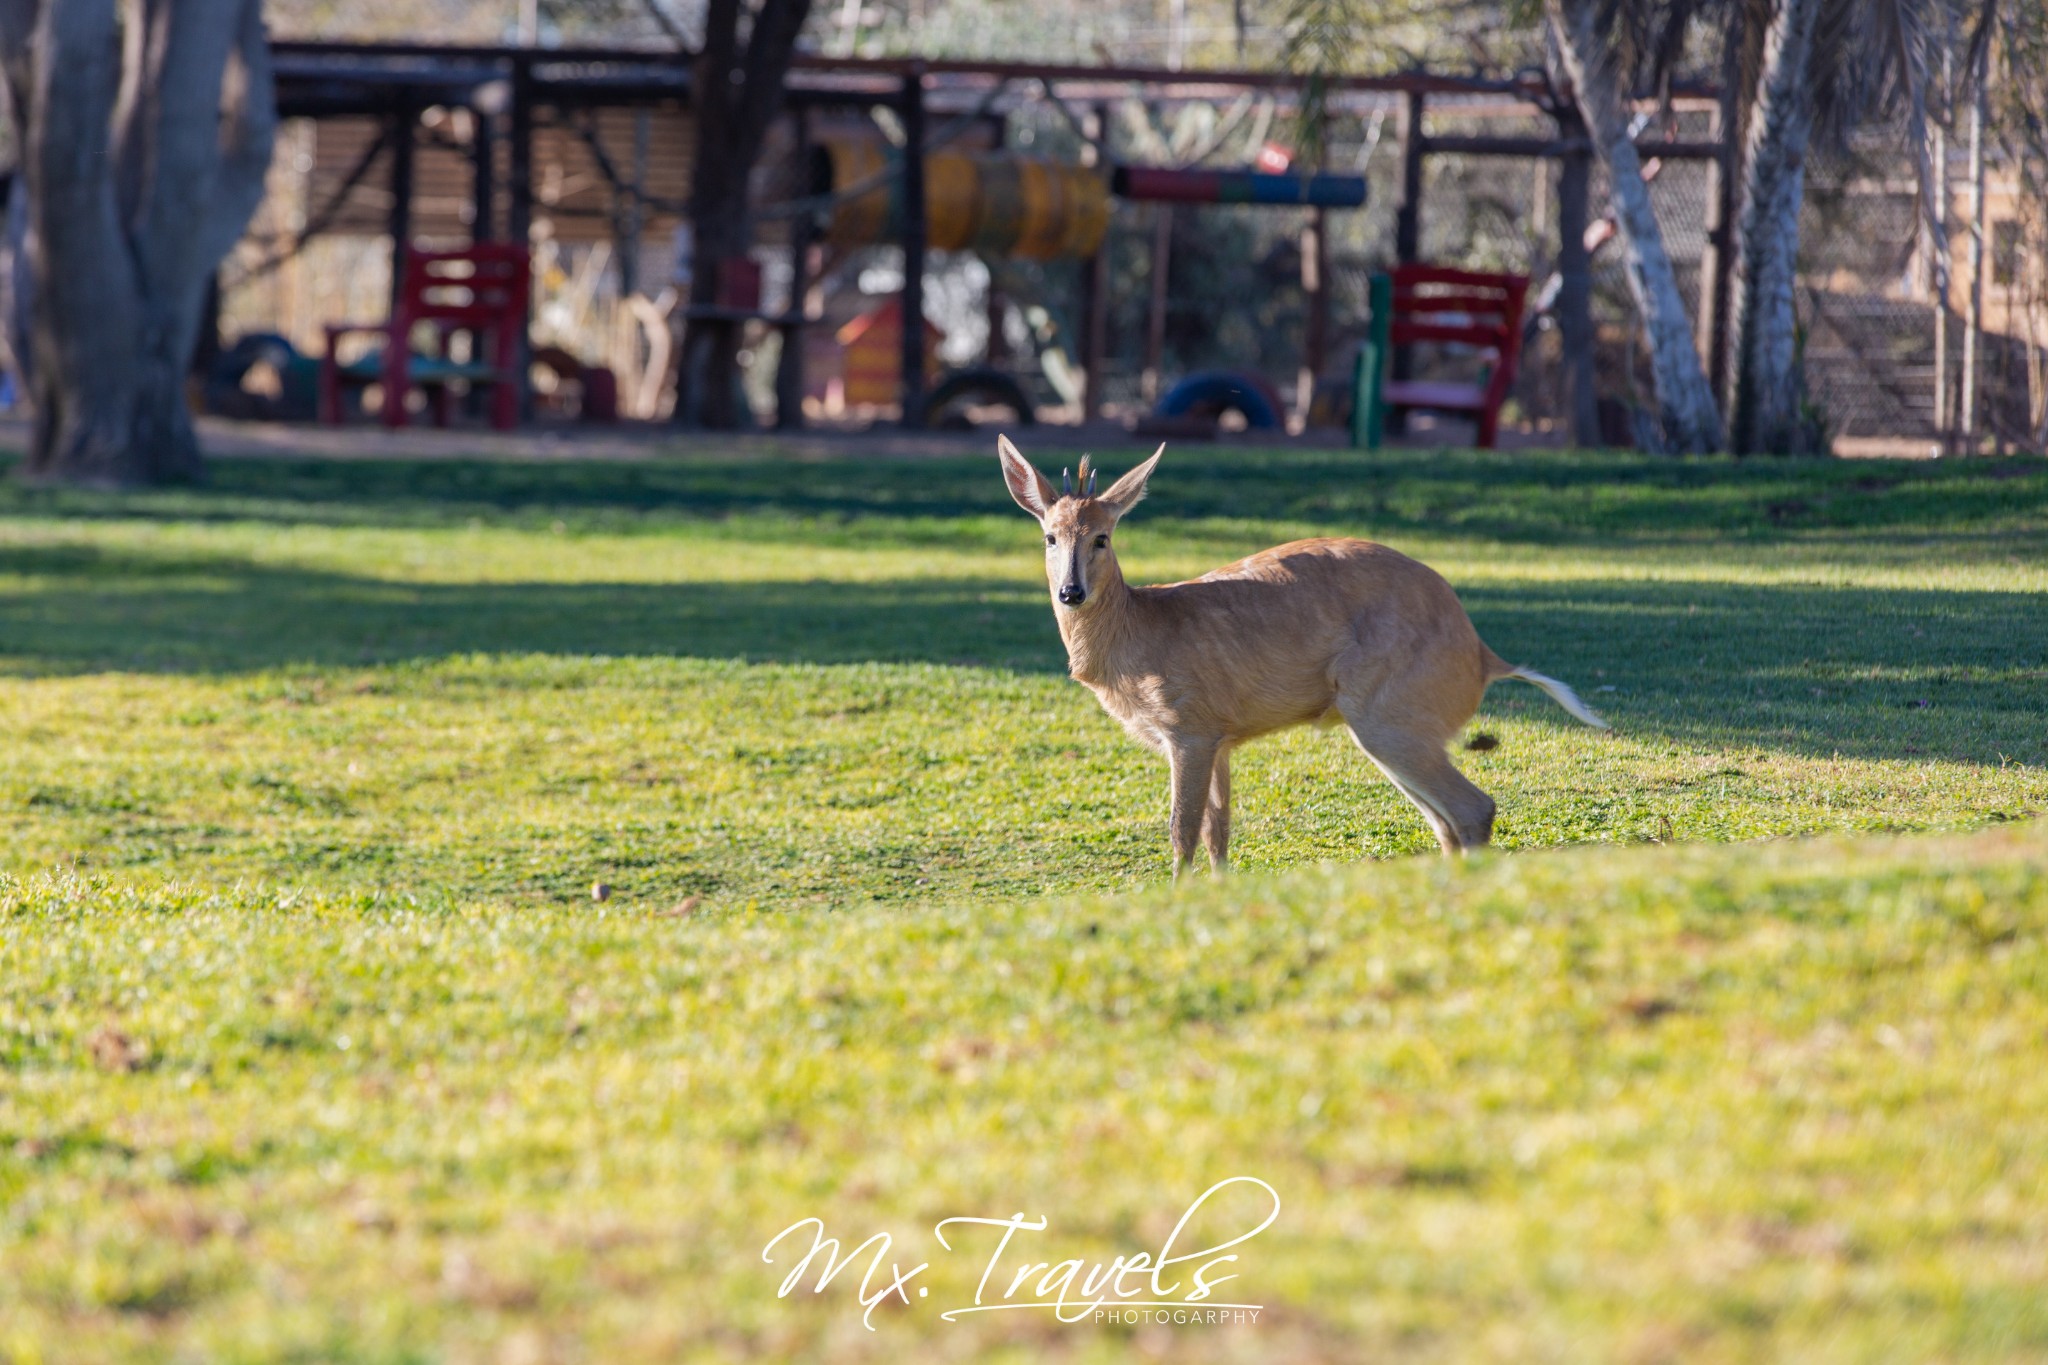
{"points": [[590, 148], [584, 154]]}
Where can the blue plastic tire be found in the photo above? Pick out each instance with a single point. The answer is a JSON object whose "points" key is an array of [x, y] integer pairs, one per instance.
{"points": [[1215, 392]]}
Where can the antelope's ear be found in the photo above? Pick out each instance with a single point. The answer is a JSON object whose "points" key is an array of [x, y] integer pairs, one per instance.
{"points": [[1129, 491], [1032, 490]]}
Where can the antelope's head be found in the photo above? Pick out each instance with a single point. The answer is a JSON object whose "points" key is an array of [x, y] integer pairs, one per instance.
{"points": [[1077, 522]]}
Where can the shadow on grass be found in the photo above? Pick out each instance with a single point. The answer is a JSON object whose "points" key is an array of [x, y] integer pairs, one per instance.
{"points": [[116, 610], [1555, 497], [1817, 670]]}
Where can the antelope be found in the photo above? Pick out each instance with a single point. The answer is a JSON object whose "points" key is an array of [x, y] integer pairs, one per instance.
{"points": [[1312, 632]]}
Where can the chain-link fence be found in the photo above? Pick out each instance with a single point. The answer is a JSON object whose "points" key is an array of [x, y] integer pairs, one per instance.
{"points": [[1885, 365], [1886, 362]]}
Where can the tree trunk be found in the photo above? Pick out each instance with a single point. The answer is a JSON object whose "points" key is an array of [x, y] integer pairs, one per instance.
{"points": [[144, 138], [738, 95], [1770, 410], [1690, 420]]}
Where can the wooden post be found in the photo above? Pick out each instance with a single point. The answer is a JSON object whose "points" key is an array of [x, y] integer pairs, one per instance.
{"points": [[519, 225], [998, 351], [1315, 285], [1408, 228], [1095, 281], [1717, 266], [1408, 220], [483, 163], [1938, 256], [400, 222], [1095, 342], [1315, 269], [632, 206], [1575, 271], [1973, 323], [912, 113], [789, 368], [206, 350], [1155, 312]]}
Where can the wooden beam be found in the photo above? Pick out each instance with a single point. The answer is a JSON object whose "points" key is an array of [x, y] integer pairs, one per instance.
{"points": [[570, 64]]}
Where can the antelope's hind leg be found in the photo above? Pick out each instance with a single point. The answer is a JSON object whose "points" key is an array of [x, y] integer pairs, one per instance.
{"points": [[1459, 812]]}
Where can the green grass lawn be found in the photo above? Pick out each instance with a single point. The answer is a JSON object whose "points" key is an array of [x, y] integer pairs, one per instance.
{"points": [[314, 1044]]}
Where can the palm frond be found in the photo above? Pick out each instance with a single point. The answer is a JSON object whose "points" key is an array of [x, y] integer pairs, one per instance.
{"points": [[1322, 38]]}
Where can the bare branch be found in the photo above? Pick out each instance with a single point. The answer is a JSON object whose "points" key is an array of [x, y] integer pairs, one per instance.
{"points": [[667, 24], [18, 20]]}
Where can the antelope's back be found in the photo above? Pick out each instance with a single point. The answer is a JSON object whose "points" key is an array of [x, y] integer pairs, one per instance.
{"points": [[1339, 581], [1274, 635]]}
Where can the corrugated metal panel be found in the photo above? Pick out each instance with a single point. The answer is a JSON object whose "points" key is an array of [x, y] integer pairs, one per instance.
{"points": [[571, 188], [443, 182], [339, 146]]}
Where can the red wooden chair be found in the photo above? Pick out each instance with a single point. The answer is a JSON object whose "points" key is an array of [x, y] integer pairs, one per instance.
{"points": [[484, 290], [1433, 303]]}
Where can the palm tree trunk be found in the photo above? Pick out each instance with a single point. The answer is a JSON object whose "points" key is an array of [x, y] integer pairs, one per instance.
{"points": [[1686, 401], [1769, 410]]}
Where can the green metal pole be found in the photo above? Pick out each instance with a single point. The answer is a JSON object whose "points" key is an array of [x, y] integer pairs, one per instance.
{"points": [[1368, 383]]}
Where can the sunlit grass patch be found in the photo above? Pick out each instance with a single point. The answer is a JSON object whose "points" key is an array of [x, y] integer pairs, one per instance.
{"points": [[314, 1043]]}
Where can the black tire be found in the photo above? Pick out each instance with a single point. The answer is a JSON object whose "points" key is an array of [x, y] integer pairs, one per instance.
{"points": [[224, 393], [982, 384]]}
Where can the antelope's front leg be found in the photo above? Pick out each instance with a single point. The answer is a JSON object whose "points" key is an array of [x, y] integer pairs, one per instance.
{"points": [[1192, 762]]}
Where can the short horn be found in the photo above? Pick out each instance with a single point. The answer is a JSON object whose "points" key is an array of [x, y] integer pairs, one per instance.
{"points": [[1066, 484], [1091, 483]]}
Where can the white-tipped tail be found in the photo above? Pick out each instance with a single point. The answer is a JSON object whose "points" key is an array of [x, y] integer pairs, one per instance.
{"points": [[1563, 696]]}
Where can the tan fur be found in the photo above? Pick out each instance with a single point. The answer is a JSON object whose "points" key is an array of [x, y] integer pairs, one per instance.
{"points": [[1314, 632]]}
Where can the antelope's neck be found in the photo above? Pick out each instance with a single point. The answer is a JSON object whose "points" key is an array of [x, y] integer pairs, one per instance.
{"points": [[1096, 637]]}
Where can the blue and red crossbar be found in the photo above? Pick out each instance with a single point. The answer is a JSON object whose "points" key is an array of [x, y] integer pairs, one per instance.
{"points": [[1237, 187]]}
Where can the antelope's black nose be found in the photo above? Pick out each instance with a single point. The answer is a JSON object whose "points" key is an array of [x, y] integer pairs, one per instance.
{"points": [[1073, 595]]}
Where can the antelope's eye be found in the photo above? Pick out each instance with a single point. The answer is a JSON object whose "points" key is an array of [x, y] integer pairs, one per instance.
{"points": [[1102, 542], [1052, 540]]}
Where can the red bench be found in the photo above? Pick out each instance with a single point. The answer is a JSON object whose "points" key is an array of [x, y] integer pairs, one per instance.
{"points": [[483, 290], [1433, 303]]}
